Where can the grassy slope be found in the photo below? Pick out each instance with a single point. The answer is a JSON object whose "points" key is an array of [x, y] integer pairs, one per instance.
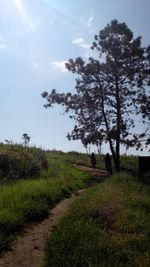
{"points": [[30, 199], [108, 226]]}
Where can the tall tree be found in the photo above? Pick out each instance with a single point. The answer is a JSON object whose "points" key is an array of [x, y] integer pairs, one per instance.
{"points": [[110, 89]]}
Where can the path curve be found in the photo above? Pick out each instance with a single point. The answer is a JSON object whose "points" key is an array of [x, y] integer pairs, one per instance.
{"points": [[29, 249]]}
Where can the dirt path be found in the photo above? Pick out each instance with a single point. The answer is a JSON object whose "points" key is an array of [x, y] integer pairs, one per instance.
{"points": [[98, 173], [29, 249]]}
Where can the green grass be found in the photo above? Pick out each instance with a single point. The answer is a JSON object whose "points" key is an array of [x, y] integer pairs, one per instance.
{"points": [[108, 226], [23, 200], [27, 200]]}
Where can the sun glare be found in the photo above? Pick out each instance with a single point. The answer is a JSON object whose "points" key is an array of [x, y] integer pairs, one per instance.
{"points": [[27, 21]]}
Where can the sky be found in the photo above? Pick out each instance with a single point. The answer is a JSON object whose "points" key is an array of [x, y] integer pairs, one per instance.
{"points": [[37, 37]]}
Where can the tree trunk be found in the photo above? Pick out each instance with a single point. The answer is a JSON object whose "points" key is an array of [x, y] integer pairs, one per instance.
{"points": [[115, 159], [117, 164]]}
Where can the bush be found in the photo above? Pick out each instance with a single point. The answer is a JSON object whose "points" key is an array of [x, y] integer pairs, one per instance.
{"points": [[17, 161]]}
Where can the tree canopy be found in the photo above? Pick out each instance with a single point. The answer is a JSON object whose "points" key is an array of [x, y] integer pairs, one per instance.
{"points": [[112, 92], [26, 139]]}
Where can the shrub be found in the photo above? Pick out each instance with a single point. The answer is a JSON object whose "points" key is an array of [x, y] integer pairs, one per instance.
{"points": [[17, 161]]}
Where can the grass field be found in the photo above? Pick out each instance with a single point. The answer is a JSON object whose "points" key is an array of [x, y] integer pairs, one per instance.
{"points": [[108, 226], [102, 227], [29, 199]]}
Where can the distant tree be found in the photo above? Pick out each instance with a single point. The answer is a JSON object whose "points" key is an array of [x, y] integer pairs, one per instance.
{"points": [[26, 139], [8, 142], [111, 91], [94, 138]]}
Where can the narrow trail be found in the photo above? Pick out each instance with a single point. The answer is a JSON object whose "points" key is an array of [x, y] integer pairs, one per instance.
{"points": [[101, 174], [29, 247]]}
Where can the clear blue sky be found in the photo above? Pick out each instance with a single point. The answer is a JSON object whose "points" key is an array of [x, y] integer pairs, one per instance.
{"points": [[36, 38]]}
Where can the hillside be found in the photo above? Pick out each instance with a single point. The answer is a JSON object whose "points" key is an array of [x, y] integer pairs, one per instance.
{"points": [[108, 224]]}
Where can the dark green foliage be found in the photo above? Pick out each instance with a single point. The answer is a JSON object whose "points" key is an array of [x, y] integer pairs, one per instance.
{"points": [[17, 161], [33, 211], [10, 221]]}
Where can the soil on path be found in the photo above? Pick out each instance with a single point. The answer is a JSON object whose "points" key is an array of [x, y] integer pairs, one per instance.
{"points": [[101, 174], [29, 247]]}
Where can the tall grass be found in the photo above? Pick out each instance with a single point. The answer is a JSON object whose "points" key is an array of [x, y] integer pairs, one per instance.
{"points": [[108, 226], [30, 199]]}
